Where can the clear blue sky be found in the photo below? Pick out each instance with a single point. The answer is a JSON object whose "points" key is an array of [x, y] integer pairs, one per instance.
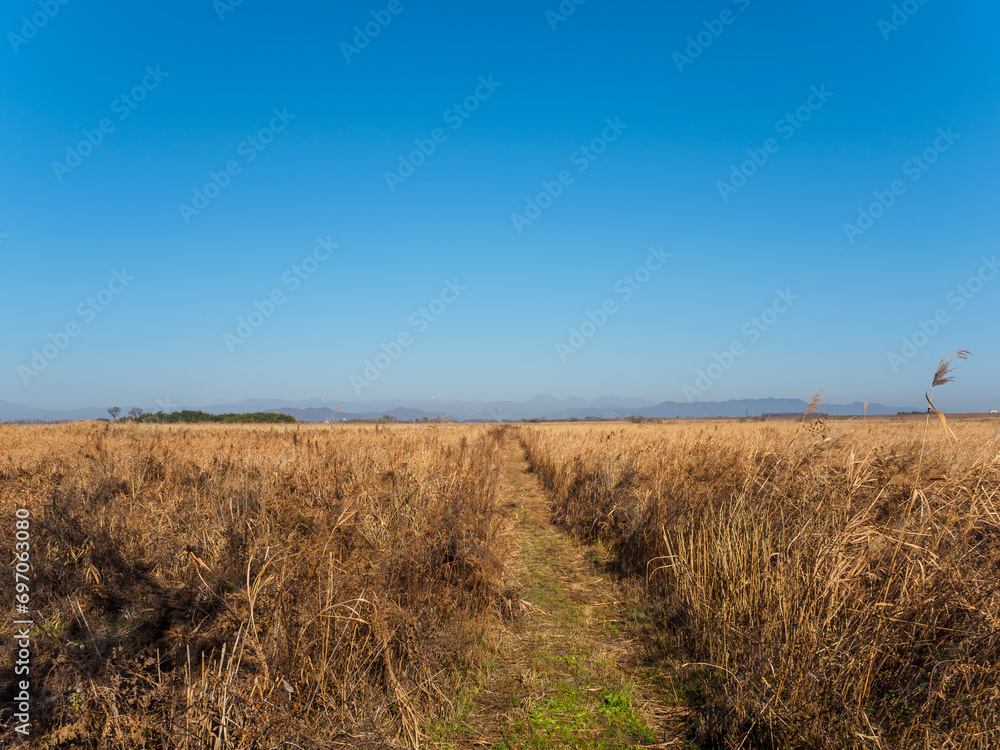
{"points": [[685, 114]]}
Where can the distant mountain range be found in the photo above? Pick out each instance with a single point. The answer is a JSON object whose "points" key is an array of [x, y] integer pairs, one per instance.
{"points": [[542, 406], [9, 411]]}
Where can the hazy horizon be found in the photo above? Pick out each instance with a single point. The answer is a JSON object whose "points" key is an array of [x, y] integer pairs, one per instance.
{"points": [[537, 404], [390, 200]]}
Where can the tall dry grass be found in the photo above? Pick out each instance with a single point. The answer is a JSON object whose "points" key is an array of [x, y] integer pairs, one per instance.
{"points": [[252, 586], [825, 585]]}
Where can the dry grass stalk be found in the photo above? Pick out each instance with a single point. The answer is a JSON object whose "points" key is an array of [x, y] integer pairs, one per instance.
{"points": [[837, 603], [254, 586], [941, 376]]}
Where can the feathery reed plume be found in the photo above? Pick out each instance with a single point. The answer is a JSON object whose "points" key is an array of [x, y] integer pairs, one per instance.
{"points": [[941, 376], [942, 373], [814, 404]]}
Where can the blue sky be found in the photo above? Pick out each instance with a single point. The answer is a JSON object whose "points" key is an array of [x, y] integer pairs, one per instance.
{"points": [[698, 95]]}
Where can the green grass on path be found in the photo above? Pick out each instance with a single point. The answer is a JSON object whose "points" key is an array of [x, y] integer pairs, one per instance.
{"points": [[567, 676]]}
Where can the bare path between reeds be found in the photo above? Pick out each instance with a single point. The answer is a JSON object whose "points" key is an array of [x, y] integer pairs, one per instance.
{"points": [[569, 672]]}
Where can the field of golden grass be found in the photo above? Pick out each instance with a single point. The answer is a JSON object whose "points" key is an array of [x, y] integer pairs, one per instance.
{"points": [[814, 585], [251, 586], [824, 584]]}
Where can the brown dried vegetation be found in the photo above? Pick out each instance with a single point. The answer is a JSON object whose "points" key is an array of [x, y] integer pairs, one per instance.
{"points": [[815, 585], [249, 586]]}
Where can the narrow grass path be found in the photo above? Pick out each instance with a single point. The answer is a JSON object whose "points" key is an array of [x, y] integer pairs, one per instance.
{"points": [[568, 676]]}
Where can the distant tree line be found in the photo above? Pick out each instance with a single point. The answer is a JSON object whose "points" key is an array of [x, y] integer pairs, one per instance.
{"points": [[190, 416]]}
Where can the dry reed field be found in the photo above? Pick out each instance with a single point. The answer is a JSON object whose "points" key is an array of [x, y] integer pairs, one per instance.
{"points": [[252, 586], [813, 585]]}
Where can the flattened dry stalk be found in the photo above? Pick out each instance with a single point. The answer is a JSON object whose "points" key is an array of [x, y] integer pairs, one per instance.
{"points": [[942, 375], [940, 415]]}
